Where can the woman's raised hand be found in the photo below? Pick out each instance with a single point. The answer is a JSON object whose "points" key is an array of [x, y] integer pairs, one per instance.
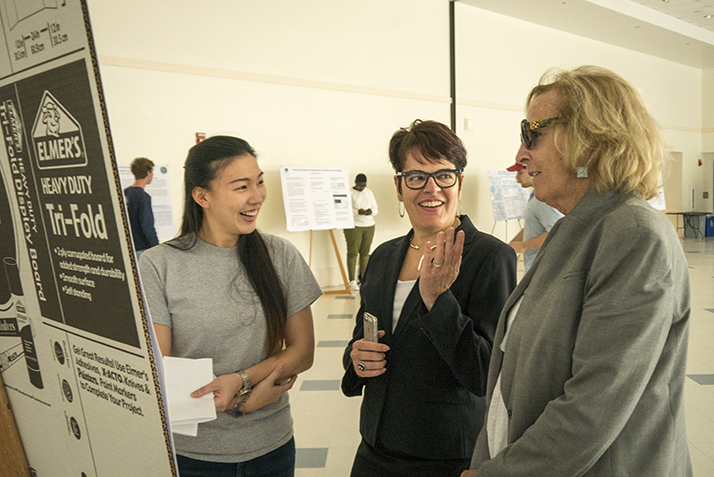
{"points": [[440, 266]]}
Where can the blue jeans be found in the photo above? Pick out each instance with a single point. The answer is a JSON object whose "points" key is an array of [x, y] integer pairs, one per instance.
{"points": [[277, 463]]}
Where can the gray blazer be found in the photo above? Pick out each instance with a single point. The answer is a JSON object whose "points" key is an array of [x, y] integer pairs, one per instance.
{"points": [[593, 373]]}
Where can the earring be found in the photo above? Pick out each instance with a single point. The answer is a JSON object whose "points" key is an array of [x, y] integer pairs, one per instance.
{"points": [[401, 209], [581, 172]]}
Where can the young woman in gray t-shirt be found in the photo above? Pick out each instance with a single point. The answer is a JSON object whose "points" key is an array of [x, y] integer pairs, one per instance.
{"points": [[222, 290]]}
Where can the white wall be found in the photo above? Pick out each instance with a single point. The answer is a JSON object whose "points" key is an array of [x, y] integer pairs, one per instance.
{"points": [[501, 58], [326, 82], [708, 136], [708, 172], [319, 83], [708, 109]]}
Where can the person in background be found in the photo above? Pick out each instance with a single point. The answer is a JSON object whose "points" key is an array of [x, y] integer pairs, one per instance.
{"points": [[359, 239], [225, 291], [539, 218], [589, 361], [138, 205], [437, 293]]}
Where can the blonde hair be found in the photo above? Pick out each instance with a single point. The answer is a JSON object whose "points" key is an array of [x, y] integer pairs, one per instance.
{"points": [[606, 127]]}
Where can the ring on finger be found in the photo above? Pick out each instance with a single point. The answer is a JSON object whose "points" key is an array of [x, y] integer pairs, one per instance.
{"points": [[361, 366], [437, 265]]}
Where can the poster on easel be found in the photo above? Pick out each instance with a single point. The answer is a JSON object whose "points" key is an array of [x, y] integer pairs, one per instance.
{"points": [[508, 198], [76, 352], [316, 198]]}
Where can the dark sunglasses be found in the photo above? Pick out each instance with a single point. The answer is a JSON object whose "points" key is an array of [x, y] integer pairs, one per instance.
{"points": [[528, 129], [416, 180]]}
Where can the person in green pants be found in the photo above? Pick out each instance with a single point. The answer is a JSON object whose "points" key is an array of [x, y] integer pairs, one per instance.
{"points": [[359, 239]]}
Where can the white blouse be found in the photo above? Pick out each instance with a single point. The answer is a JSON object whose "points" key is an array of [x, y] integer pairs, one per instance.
{"points": [[497, 424], [400, 296]]}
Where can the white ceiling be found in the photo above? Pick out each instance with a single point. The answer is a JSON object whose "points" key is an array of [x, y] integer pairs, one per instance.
{"points": [[676, 30], [699, 13]]}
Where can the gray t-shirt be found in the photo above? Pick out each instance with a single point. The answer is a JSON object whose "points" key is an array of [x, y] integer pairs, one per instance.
{"points": [[204, 295]]}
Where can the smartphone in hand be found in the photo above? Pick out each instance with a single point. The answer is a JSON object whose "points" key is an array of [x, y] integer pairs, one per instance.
{"points": [[371, 327]]}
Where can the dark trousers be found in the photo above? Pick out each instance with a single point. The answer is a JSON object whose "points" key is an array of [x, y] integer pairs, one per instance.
{"points": [[371, 462], [278, 463]]}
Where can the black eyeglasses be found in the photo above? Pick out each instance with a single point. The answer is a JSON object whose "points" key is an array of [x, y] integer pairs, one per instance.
{"points": [[417, 180], [528, 129]]}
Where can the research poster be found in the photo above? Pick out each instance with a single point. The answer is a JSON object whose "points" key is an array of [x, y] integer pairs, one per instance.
{"points": [[508, 198], [658, 201], [75, 346], [160, 192], [316, 198]]}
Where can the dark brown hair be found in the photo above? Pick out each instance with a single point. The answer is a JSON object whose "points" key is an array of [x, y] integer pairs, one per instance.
{"points": [[433, 141]]}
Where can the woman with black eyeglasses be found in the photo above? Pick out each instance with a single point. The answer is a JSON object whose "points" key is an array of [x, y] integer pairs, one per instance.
{"points": [[437, 293]]}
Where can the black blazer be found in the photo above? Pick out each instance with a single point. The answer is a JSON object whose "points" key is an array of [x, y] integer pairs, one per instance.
{"points": [[429, 403]]}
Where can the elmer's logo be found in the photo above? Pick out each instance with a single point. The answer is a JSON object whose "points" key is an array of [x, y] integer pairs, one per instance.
{"points": [[57, 136]]}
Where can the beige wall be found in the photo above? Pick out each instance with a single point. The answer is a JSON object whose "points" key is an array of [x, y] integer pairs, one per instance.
{"points": [[708, 110], [326, 83], [501, 58]]}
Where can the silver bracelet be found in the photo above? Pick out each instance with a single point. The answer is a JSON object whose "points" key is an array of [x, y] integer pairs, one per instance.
{"points": [[243, 394], [246, 380]]}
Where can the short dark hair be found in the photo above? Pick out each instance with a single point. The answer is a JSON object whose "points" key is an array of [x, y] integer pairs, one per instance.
{"points": [[141, 167], [433, 141], [360, 178]]}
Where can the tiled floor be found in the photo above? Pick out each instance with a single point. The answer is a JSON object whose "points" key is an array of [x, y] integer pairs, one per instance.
{"points": [[327, 423]]}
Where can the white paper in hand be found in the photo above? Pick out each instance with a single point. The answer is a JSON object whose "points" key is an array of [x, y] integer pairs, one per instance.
{"points": [[183, 376]]}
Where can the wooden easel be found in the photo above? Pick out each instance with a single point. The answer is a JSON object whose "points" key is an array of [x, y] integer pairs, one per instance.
{"points": [[346, 290], [13, 462], [507, 238]]}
